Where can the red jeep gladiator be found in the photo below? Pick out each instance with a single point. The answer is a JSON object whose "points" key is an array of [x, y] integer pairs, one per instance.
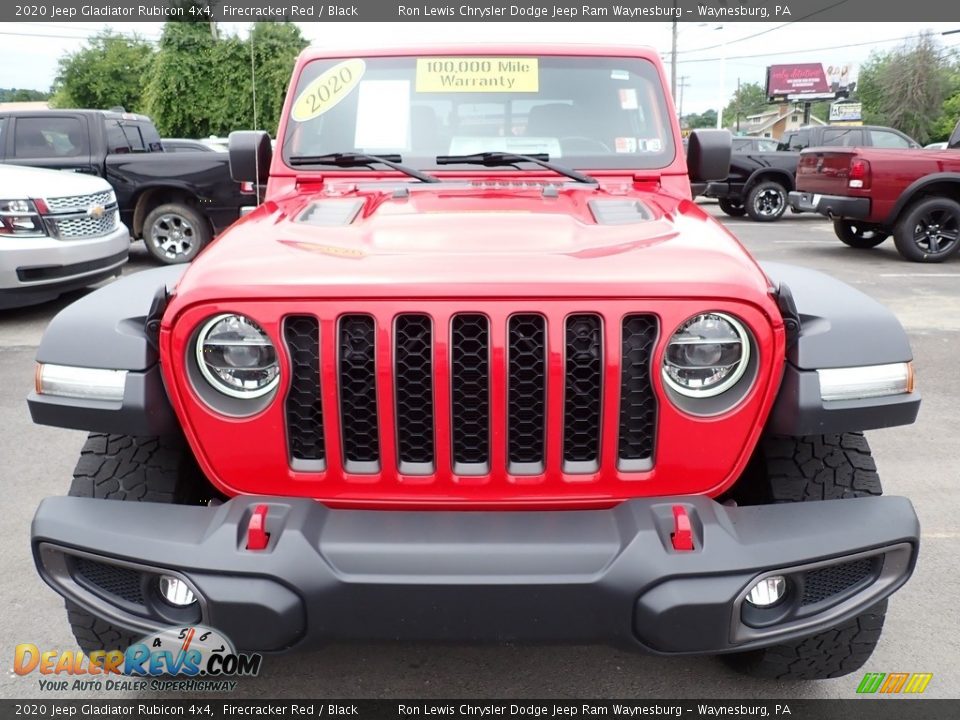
{"points": [[871, 193], [478, 369]]}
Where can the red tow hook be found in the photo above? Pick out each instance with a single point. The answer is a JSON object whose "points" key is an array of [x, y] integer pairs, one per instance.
{"points": [[257, 536], [682, 535]]}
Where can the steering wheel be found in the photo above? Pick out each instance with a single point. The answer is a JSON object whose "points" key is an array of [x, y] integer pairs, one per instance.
{"points": [[586, 141]]}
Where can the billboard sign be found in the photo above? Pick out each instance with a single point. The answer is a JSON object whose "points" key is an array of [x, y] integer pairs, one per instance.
{"points": [[846, 112], [810, 81]]}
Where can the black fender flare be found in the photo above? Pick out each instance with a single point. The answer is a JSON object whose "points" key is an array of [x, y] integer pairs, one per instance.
{"points": [[112, 328], [840, 327], [918, 186], [761, 174]]}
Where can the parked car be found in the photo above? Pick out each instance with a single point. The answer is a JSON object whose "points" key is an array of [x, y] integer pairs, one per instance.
{"points": [[187, 145], [176, 202], [871, 193], [460, 391], [58, 232], [936, 146], [759, 180]]}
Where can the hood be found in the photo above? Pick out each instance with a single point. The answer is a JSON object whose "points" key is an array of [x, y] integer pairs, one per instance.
{"points": [[475, 239], [22, 183]]}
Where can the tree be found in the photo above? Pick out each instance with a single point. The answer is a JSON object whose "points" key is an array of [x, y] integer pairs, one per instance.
{"points": [[748, 99], [108, 72], [906, 87], [22, 95], [706, 119], [275, 46]]}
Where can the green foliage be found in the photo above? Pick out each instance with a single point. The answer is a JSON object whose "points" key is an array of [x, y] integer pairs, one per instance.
{"points": [[749, 99], [22, 95], [107, 72], [203, 86], [706, 119], [906, 88]]}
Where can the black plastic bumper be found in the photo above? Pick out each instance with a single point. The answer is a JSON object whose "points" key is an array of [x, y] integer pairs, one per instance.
{"points": [[833, 206], [580, 576]]}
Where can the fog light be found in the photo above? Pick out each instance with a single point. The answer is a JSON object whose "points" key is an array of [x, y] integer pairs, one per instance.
{"points": [[768, 591], [175, 591]]}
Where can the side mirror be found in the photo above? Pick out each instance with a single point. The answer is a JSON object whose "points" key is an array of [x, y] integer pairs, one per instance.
{"points": [[708, 155], [250, 155], [954, 141]]}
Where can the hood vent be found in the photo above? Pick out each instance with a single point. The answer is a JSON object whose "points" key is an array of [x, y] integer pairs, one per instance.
{"points": [[331, 213], [619, 212]]}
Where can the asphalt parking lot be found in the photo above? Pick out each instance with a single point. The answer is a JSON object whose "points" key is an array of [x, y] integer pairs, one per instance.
{"points": [[918, 461]]}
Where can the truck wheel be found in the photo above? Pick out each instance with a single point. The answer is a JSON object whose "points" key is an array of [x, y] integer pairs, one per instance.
{"points": [[767, 201], [929, 231], [858, 235], [133, 469], [819, 467], [731, 208], [175, 233]]}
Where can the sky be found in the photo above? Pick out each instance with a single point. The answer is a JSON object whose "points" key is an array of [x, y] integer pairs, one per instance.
{"points": [[711, 57]]}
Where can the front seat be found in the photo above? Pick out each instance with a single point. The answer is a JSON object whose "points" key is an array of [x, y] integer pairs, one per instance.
{"points": [[554, 120]]}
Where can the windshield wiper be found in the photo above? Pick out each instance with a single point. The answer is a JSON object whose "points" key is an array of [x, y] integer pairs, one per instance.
{"points": [[355, 159], [493, 159]]}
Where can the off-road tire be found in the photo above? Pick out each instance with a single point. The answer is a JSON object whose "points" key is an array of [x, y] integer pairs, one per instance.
{"points": [[908, 234], [731, 208], [801, 469], [763, 197], [173, 218], [133, 469], [858, 235]]}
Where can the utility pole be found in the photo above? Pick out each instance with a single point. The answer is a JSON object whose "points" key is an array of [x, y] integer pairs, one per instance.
{"points": [[738, 106], [673, 55], [682, 84]]}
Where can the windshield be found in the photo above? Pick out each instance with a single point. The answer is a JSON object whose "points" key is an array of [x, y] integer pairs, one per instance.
{"points": [[587, 112]]}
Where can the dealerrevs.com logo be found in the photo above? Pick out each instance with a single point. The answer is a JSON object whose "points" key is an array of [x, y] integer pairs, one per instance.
{"points": [[180, 659]]}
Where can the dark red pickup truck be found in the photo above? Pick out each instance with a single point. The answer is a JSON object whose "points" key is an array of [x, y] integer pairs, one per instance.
{"points": [[871, 193]]}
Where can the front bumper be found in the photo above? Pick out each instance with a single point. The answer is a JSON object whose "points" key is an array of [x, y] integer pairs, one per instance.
{"points": [[833, 206], [580, 576], [34, 270]]}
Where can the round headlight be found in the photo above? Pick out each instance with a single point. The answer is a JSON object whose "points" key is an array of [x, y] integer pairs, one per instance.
{"points": [[236, 357], [706, 355]]}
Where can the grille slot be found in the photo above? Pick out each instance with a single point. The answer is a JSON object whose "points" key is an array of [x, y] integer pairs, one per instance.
{"points": [[583, 390], [527, 393], [80, 203], [638, 404], [359, 422], [304, 410], [818, 585], [470, 393], [413, 380], [86, 226], [120, 582]]}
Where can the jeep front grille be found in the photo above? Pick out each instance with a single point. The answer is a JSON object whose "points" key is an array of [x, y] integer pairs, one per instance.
{"points": [[497, 401]]}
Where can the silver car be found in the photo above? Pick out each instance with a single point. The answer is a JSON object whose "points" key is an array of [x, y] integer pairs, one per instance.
{"points": [[59, 231]]}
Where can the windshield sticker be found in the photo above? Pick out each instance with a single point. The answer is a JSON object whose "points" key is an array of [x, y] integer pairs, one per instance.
{"points": [[625, 144], [483, 74], [628, 99], [377, 101], [652, 145], [619, 75], [324, 93]]}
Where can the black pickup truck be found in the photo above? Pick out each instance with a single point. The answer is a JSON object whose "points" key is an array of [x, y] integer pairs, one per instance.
{"points": [[176, 202], [759, 182]]}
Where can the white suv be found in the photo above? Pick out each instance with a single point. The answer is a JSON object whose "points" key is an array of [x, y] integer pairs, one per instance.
{"points": [[59, 231]]}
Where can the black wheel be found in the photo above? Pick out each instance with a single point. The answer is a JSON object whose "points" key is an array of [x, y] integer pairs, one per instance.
{"points": [[858, 235], [766, 201], [819, 467], [731, 208], [133, 469], [175, 233], [929, 231]]}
